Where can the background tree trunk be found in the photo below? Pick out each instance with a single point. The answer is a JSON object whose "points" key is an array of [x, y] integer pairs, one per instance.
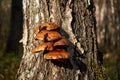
{"points": [[15, 27], [5, 12], [108, 27], [108, 34], [77, 23]]}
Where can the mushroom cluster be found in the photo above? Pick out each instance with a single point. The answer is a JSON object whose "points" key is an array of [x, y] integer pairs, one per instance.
{"points": [[54, 44]]}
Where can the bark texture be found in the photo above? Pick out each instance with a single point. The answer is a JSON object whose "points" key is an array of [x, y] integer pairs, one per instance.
{"points": [[77, 23]]}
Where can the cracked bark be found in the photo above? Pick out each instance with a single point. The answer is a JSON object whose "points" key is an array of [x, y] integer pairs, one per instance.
{"points": [[77, 23]]}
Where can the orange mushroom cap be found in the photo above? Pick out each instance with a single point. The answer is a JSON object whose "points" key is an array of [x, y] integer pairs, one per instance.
{"points": [[48, 35], [47, 26], [41, 35], [53, 35], [43, 46], [60, 42], [57, 54]]}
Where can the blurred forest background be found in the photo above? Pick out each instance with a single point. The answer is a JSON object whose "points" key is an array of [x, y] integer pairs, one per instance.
{"points": [[108, 37]]}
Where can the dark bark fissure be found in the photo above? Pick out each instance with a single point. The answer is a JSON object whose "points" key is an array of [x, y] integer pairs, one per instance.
{"points": [[71, 16]]}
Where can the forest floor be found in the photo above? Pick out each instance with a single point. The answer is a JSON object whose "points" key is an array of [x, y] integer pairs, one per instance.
{"points": [[111, 62], [10, 62]]}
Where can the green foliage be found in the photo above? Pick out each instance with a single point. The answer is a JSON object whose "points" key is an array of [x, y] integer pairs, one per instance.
{"points": [[111, 61], [101, 73], [112, 64], [9, 65]]}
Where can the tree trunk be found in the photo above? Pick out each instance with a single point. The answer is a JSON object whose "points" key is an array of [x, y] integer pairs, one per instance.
{"points": [[5, 12], [77, 23], [15, 27], [108, 19]]}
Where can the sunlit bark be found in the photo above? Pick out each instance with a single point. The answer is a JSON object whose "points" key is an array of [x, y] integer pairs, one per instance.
{"points": [[76, 20]]}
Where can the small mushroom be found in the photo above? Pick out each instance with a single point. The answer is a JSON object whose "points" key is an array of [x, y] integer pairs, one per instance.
{"points": [[61, 42], [41, 35], [47, 26], [43, 46], [57, 54], [53, 35], [48, 35]]}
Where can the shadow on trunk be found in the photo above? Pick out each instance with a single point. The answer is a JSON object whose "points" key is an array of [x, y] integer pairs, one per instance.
{"points": [[75, 62]]}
